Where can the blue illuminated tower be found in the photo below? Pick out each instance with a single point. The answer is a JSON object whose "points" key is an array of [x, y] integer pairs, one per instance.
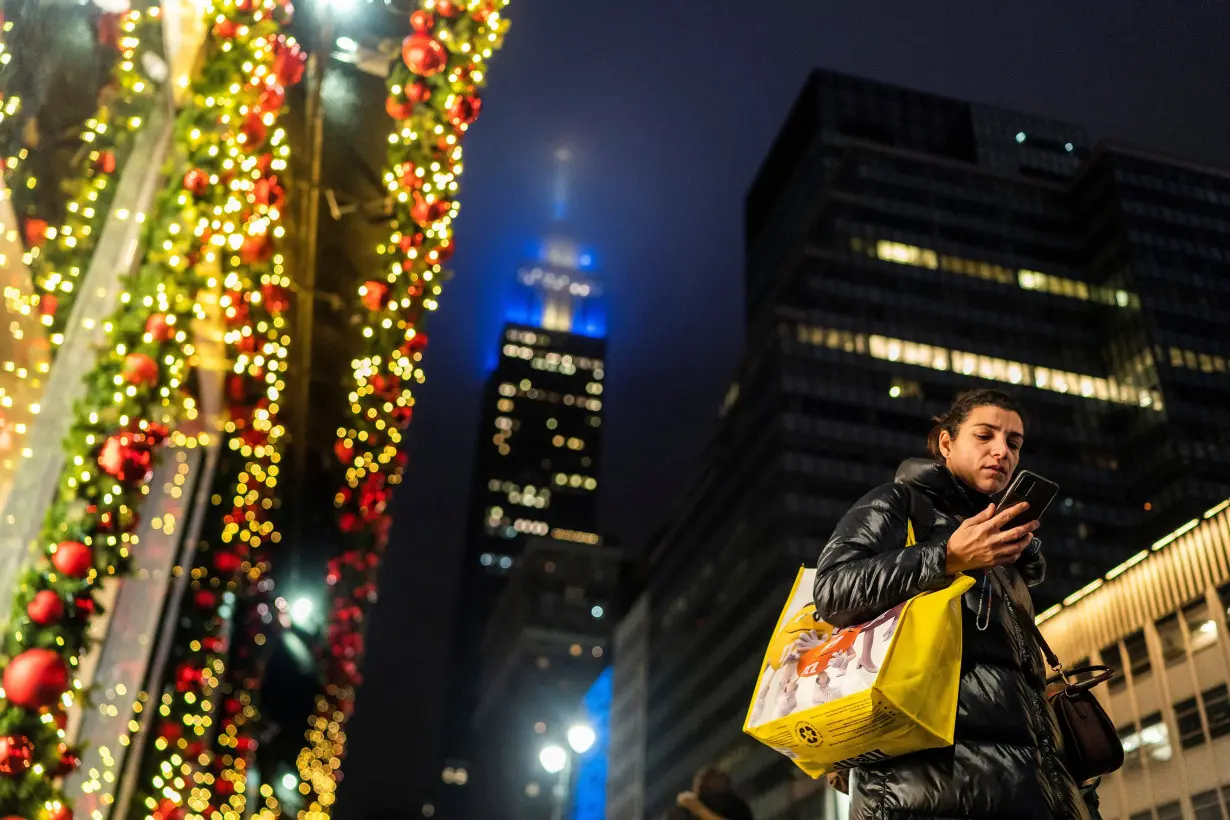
{"points": [[537, 461]]}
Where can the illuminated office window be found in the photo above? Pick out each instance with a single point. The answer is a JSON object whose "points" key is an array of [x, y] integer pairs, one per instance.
{"points": [[903, 254], [986, 367], [1201, 627]]}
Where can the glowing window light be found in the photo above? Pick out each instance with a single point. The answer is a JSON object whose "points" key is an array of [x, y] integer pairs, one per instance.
{"points": [[987, 367]]}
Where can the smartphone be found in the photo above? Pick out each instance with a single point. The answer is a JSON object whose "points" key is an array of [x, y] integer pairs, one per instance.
{"points": [[1030, 487]]}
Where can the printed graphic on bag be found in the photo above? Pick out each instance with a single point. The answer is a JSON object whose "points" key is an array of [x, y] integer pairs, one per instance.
{"points": [[816, 665], [834, 699]]}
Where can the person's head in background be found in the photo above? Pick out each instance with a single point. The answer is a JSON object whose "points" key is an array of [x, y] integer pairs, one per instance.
{"points": [[712, 781]]}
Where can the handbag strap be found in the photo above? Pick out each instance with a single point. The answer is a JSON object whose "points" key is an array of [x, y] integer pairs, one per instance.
{"points": [[1004, 587]]}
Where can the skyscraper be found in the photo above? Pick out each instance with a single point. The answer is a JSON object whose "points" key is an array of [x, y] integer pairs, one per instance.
{"points": [[536, 469], [902, 247]]}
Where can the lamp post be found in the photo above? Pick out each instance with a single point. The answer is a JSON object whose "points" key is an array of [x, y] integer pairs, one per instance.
{"points": [[558, 760]]}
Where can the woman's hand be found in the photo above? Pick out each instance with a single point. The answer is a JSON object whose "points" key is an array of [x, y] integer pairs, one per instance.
{"points": [[981, 542]]}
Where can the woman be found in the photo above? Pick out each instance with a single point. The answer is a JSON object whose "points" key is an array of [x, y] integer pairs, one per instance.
{"points": [[1005, 763]]}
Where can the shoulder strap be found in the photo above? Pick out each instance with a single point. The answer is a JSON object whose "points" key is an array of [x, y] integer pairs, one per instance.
{"points": [[921, 516], [1004, 587]]}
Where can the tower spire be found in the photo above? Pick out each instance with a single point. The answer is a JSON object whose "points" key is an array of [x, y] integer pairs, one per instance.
{"points": [[559, 200]]}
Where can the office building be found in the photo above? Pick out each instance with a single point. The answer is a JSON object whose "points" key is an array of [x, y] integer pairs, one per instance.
{"points": [[546, 644], [535, 480], [900, 248], [1160, 618], [625, 786]]}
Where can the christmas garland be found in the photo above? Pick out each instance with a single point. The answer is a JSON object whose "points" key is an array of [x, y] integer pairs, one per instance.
{"points": [[138, 389], [56, 256], [433, 97], [220, 655]]}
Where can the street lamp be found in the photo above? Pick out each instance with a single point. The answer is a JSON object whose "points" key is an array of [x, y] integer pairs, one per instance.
{"points": [[558, 761], [553, 758], [581, 738], [301, 612]]}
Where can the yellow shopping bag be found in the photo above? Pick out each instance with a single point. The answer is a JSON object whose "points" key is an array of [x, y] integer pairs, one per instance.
{"points": [[835, 699]]}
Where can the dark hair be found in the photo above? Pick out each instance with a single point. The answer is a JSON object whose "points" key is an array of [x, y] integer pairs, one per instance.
{"points": [[965, 404], [713, 781]]}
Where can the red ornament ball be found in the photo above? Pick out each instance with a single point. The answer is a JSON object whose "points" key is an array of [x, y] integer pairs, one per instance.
{"points": [[16, 753], [73, 559], [225, 29], [398, 109], [408, 179], [140, 369], [344, 451], [415, 343], [269, 192], [168, 809], [196, 181], [35, 231], [418, 92], [465, 110], [68, 762], [411, 240], [422, 21], [47, 304], [227, 563], [254, 130], [35, 678], [186, 676], [275, 298], [105, 162], [205, 599], [60, 812], [426, 213], [374, 294], [127, 457], [424, 55], [256, 249], [348, 523], [447, 8], [272, 99], [402, 416], [45, 608], [159, 327], [288, 62]]}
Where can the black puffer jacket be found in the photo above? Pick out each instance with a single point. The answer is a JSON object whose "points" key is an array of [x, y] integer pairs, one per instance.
{"points": [[1005, 762]]}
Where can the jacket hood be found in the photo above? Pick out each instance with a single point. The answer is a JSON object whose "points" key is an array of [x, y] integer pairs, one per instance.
{"points": [[945, 490]]}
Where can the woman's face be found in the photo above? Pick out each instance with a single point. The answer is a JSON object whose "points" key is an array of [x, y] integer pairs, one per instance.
{"points": [[986, 449]]}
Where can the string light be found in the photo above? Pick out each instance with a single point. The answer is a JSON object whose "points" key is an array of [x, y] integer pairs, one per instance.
{"points": [[57, 266], [249, 294], [433, 98], [135, 394]]}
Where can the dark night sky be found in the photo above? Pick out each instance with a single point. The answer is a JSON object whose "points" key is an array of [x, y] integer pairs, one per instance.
{"points": [[669, 107]]}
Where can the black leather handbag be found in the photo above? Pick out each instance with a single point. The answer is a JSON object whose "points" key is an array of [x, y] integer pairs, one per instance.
{"points": [[1090, 743]]}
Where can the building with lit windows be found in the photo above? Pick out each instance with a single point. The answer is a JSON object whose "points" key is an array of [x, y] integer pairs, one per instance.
{"points": [[900, 248], [535, 480], [546, 643], [1161, 618]]}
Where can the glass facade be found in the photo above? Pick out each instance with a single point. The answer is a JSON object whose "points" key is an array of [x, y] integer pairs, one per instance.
{"points": [[902, 248]]}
